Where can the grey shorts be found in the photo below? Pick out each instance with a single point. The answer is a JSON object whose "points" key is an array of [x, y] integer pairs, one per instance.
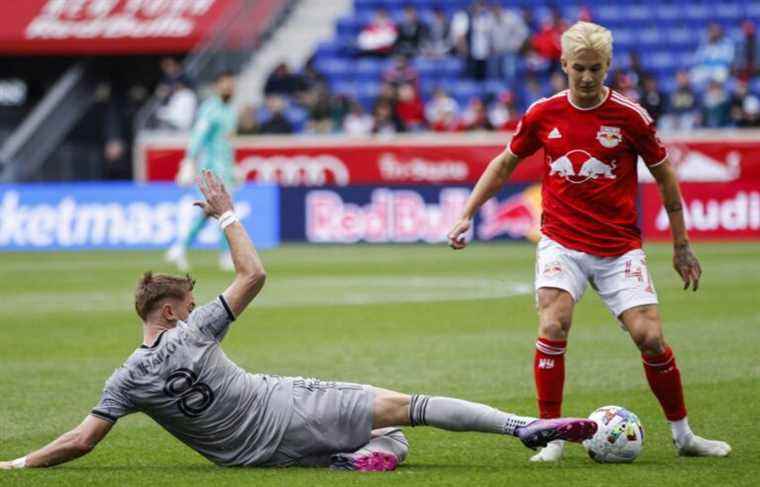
{"points": [[328, 418]]}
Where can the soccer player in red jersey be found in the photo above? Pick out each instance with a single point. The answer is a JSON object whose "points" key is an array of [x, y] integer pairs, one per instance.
{"points": [[592, 137]]}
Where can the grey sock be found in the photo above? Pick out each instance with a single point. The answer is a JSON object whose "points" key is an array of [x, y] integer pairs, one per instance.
{"points": [[458, 415]]}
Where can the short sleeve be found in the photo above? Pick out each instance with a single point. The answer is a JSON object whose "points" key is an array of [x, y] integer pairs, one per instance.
{"points": [[645, 140], [114, 402], [212, 319], [525, 141]]}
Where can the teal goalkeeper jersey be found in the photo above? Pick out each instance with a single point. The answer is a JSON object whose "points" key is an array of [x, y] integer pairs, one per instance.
{"points": [[210, 142]]}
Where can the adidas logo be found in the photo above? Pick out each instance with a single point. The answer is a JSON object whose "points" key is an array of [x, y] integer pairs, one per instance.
{"points": [[554, 134]]}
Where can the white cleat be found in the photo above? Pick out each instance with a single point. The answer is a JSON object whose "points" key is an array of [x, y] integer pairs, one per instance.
{"points": [[176, 255], [550, 453], [696, 446], [225, 262]]}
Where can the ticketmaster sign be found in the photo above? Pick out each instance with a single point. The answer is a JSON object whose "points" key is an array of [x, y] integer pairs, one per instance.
{"points": [[120, 216]]}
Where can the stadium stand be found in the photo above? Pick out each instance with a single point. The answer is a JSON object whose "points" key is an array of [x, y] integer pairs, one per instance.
{"points": [[653, 40]]}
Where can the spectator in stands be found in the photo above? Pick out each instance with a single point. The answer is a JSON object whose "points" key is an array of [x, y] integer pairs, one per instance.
{"points": [[412, 32], [546, 41], [714, 58], [502, 113], [683, 111], [475, 116], [387, 94], [459, 27], [248, 122], [281, 81], [401, 72], [557, 82], [178, 112], [171, 73], [277, 123], [651, 98], [635, 70], [438, 42], [509, 35], [532, 91], [340, 105], [745, 107], [379, 36], [746, 65], [623, 83], [320, 111], [716, 106], [441, 110], [311, 77], [536, 66], [384, 120], [409, 108], [357, 122], [479, 40]]}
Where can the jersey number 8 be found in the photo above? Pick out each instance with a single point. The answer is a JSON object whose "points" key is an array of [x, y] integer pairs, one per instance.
{"points": [[193, 397]]}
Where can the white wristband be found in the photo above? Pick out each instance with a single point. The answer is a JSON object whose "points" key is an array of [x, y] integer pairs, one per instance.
{"points": [[19, 463], [228, 218]]}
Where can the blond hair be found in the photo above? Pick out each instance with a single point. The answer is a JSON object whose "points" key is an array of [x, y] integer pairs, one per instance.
{"points": [[587, 36]]}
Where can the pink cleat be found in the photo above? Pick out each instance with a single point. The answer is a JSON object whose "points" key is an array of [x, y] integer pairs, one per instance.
{"points": [[542, 431], [374, 462]]}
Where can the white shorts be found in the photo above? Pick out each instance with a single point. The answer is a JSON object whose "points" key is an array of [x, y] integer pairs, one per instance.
{"points": [[622, 282]]}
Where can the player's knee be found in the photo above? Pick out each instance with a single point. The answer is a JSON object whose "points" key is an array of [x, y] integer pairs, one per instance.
{"points": [[400, 444], [390, 409], [650, 342], [554, 329], [555, 310]]}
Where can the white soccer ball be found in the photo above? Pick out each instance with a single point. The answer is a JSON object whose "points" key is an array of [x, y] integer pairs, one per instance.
{"points": [[619, 436]]}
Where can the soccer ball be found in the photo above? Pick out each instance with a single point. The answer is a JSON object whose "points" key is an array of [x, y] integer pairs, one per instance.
{"points": [[619, 436]]}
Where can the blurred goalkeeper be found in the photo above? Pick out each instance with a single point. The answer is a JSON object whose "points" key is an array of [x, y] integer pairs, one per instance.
{"points": [[210, 149], [182, 379]]}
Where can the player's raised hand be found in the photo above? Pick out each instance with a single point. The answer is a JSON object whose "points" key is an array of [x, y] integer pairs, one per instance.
{"points": [[6, 466], [456, 236], [687, 266], [218, 200]]}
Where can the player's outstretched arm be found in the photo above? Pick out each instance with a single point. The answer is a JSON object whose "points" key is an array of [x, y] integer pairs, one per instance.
{"points": [[684, 261], [249, 270], [490, 182], [69, 446]]}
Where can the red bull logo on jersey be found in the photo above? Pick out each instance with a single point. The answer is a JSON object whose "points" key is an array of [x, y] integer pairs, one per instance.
{"points": [[578, 166], [609, 137]]}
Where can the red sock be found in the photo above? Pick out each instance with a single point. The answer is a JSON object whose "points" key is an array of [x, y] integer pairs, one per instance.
{"points": [[549, 373], [665, 381]]}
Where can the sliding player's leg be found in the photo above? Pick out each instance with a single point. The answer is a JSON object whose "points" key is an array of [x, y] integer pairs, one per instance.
{"points": [[397, 409]]}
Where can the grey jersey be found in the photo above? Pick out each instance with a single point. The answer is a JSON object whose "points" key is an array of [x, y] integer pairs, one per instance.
{"points": [[187, 384]]}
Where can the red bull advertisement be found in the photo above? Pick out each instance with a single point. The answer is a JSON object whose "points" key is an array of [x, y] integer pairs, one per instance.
{"points": [[404, 214]]}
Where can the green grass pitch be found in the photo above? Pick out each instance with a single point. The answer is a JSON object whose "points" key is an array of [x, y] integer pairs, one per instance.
{"points": [[412, 318]]}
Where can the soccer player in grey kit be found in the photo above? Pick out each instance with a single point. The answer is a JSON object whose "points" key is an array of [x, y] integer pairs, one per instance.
{"points": [[182, 379]]}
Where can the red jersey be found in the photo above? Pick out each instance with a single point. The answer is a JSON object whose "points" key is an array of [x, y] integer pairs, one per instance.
{"points": [[590, 181]]}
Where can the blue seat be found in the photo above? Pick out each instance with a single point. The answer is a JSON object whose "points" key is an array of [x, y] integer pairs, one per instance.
{"points": [[700, 12], [334, 66], [451, 66]]}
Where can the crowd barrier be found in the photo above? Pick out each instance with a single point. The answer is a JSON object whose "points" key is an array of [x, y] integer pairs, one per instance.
{"points": [[152, 216]]}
